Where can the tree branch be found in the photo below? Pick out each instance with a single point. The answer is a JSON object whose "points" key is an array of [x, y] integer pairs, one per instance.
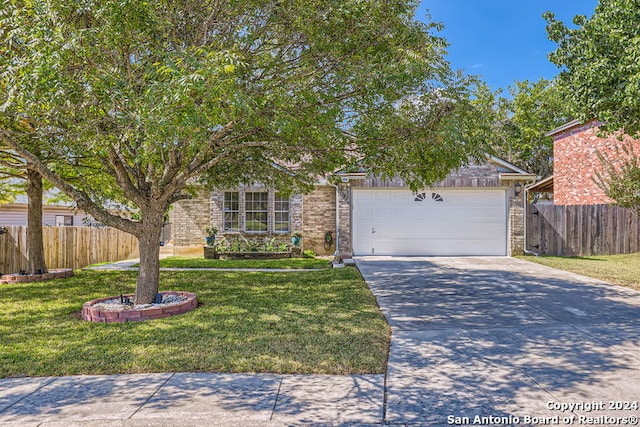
{"points": [[83, 200]]}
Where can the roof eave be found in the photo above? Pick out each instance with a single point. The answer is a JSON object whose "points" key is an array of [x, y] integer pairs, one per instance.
{"points": [[508, 165], [518, 177], [542, 186], [564, 127]]}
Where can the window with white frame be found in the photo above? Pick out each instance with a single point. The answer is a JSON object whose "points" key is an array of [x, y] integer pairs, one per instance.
{"points": [[280, 214], [256, 212], [231, 211], [256, 206]]}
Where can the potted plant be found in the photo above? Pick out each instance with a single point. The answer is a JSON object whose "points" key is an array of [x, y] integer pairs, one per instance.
{"points": [[296, 238], [210, 235]]}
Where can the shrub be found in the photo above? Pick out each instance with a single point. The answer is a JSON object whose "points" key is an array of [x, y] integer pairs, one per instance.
{"points": [[242, 244], [309, 254]]}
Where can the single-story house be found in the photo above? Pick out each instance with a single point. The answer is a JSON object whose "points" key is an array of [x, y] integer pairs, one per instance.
{"points": [[53, 214], [575, 161], [476, 210]]}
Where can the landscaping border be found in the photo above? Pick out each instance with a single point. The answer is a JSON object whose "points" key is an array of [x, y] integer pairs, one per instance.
{"points": [[53, 273], [210, 252], [93, 314]]}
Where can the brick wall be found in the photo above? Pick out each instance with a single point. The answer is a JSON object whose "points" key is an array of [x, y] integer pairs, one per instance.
{"points": [[575, 153], [189, 218], [319, 216]]}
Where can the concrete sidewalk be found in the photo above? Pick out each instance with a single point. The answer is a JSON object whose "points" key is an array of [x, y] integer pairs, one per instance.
{"points": [[192, 399]]}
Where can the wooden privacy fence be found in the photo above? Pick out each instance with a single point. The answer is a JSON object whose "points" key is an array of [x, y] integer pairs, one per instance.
{"points": [[582, 230], [67, 247]]}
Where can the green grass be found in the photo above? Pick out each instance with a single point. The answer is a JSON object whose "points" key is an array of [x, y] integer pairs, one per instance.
{"points": [[98, 264], [324, 321], [287, 263], [619, 269]]}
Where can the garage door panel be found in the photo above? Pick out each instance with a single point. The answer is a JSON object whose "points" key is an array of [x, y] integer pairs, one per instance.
{"points": [[429, 247], [464, 222], [464, 231]]}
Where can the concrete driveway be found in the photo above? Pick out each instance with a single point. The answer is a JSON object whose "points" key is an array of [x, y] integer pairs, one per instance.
{"points": [[505, 339]]}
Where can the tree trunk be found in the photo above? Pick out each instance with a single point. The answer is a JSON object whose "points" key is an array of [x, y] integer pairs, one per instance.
{"points": [[35, 244], [147, 284]]}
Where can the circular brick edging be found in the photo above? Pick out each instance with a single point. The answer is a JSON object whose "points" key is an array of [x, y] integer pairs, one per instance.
{"points": [[93, 314], [53, 273]]}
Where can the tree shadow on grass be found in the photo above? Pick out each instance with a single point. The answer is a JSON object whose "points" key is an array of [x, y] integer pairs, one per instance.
{"points": [[336, 317]]}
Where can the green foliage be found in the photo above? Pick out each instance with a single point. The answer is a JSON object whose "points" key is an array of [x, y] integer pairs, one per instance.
{"points": [[620, 177], [426, 135], [137, 101], [600, 61], [242, 244], [9, 189], [211, 231], [273, 245], [308, 253], [534, 109], [218, 87]]}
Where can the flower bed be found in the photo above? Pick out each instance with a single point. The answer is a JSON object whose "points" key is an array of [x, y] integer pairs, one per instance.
{"points": [[54, 273], [210, 252], [93, 312], [252, 255]]}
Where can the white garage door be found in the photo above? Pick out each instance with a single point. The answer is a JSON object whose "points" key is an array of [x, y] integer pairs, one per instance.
{"points": [[434, 222]]}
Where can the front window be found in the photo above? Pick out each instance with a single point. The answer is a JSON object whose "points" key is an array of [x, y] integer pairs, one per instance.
{"points": [[281, 214], [64, 220], [256, 211], [231, 211]]}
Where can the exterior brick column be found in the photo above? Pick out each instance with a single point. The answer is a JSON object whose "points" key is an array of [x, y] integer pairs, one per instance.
{"points": [[516, 215]]}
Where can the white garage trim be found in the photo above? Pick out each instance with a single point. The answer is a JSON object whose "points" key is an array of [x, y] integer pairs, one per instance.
{"points": [[434, 222]]}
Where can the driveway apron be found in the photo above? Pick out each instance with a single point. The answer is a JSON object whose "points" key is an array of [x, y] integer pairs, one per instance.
{"points": [[501, 341]]}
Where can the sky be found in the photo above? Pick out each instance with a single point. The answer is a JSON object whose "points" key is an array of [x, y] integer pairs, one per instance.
{"points": [[501, 40]]}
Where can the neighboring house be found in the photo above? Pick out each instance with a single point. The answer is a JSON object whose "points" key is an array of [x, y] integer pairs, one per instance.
{"points": [[575, 161], [476, 210], [55, 214]]}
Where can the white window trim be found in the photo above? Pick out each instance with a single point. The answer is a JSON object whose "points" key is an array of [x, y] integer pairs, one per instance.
{"points": [[242, 213]]}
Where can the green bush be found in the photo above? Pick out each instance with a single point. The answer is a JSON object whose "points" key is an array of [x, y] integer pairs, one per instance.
{"points": [[309, 254], [242, 244]]}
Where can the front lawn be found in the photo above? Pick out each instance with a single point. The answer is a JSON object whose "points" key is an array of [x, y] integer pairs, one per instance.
{"points": [[324, 321], [287, 263], [620, 269]]}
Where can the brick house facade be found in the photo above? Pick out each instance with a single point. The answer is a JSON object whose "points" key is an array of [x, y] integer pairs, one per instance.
{"points": [[314, 214], [575, 162]]}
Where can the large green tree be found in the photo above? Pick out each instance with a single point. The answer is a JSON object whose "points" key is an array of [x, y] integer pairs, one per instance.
{"points": [[532, 110], [141, 99], [16, 177], [600, 63]]}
